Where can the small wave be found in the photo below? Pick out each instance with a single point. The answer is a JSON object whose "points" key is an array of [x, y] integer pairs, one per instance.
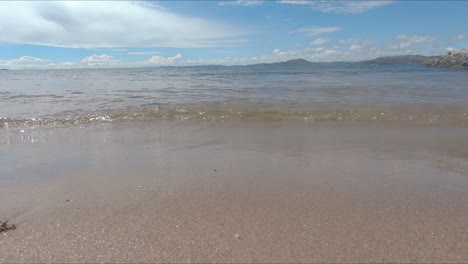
{"points": [[245, 110], [29, 96]]}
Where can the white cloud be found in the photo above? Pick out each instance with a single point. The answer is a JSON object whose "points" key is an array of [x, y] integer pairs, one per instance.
{"points": [[321, 41], [357, 44], [295, 2], [99, 60], [410, 40], [29, 59], [317, 30], [107, 24], [355, 47], [345, 7], [142, 52], [242, 3], [456, 50], [278, 52], [358, 41], [457, 37], [159, 60], [22, 61]]}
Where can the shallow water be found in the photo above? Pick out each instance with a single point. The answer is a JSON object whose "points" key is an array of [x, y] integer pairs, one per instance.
{"points": [[300, 165], [242, 192], [306, 93]]}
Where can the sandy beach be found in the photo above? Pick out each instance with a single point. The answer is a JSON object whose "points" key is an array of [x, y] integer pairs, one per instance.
{"points": [[233, 131], [235, 192]]}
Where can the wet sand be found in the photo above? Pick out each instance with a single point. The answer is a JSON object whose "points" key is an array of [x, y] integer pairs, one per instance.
{"points": [[235, 192]]}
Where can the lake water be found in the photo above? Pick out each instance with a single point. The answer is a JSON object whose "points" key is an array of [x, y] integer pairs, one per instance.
{"points": [[308, 93]]}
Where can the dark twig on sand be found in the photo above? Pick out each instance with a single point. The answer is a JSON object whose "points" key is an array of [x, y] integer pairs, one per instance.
{"points": [[4, 226]]}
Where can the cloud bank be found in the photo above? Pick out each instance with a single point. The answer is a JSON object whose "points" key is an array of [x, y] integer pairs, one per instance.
{"points": [[340, 7], [320, 41], [99, 60], [317, 30], [23, 60], [160, 60], [142, 52], [99, 24], [410, 40], [242, 3], [457, 37]]}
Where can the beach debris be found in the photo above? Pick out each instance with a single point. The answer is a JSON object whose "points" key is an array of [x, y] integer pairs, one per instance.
{"points": [[214, 170], [4, 226], [237, 236], [140, 186], [68, 200]]}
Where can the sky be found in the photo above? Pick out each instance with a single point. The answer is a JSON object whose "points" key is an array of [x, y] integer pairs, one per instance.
{"points": [[91, 34]]}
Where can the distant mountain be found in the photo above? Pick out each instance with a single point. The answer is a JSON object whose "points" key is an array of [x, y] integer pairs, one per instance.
{"points": [[390, 60], [295, 62], [457, 60], [403, 59]]}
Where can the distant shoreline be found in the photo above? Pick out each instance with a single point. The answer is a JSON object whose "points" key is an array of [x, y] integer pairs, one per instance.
{"points": [[386, 60], [439, 61]]}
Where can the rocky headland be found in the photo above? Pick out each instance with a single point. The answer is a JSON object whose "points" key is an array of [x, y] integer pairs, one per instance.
{"points": [[403, 59], [457, 60]]}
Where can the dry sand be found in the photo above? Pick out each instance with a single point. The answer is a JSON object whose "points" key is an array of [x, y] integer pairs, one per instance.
{"points": [[235, 192]]}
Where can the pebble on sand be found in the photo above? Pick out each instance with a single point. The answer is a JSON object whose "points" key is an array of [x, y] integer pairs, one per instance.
{"points": [[4, 226]]}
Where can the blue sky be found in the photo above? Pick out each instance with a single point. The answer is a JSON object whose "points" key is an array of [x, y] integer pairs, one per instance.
{"points": [[77, 34]]}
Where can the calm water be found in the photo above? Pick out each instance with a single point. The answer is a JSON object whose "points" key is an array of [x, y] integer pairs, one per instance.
{"points": [[37, 97]]}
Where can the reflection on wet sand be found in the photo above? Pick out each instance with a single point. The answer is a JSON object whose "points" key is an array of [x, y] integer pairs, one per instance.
{"points": [[235, 192]]}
